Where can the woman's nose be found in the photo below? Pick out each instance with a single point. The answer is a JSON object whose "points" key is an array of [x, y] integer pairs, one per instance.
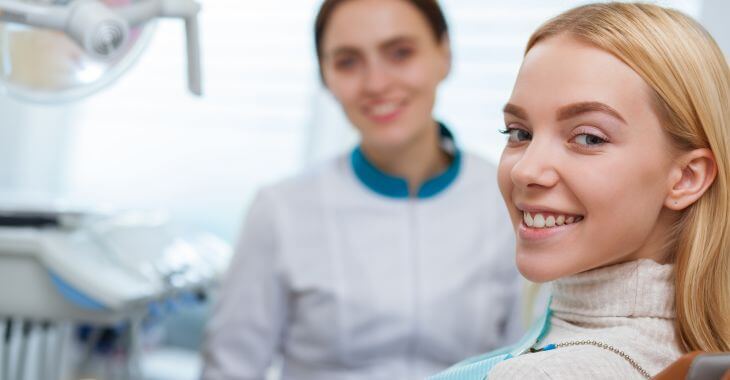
{"points": [[377, 79], [536, 168]]}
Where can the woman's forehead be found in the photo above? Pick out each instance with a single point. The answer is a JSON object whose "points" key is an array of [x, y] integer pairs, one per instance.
{"points": [[563, 70]]}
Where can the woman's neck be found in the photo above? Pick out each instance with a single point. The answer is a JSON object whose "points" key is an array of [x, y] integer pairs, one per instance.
{"points": [[639, 288], [416, 161]]}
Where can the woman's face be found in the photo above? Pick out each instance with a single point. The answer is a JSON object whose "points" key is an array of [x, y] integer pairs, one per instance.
{"points": [[586, 171], [381, 61]]}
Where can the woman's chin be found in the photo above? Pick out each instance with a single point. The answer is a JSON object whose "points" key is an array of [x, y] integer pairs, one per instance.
{"points": [[539, 269], [392, 140]]}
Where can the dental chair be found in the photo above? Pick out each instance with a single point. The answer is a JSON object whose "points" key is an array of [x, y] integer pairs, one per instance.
{"points": [[698, 365]]}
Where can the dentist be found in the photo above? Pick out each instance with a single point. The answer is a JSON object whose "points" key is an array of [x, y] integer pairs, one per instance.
{"points": [[390, 262]]}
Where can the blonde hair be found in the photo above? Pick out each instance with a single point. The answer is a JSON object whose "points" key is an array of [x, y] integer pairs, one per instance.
{"points": [[690, 79]]}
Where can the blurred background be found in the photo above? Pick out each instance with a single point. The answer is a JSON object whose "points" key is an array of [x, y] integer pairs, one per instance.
{"points": [[146, 143]]}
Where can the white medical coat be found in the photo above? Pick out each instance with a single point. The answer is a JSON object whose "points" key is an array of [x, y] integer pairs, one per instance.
{"points": [[344, 283]]}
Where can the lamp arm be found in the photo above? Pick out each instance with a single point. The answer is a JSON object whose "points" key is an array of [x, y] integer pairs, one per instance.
{"points": [[51, 16], [145, 10]]}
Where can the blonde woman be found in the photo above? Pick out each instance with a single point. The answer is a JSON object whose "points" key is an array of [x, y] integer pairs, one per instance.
{"points": [[616, 176]]}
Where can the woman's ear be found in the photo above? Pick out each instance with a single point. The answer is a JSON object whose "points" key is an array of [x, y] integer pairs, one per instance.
{"points": [[692, 176]]}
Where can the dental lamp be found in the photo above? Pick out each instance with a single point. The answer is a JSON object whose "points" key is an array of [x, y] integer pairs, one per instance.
{"points": [[60, 50]]}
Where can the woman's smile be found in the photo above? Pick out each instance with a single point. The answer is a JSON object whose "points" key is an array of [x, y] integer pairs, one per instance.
{"points": [[540, 224], [383, 112]]}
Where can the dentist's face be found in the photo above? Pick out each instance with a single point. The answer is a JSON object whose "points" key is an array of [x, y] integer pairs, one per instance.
{"points": [[381, 61], [585, 172]]}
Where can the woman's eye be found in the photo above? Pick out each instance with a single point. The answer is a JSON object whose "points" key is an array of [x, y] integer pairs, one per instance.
{"points": [[345, 63], [516, 135], [401, 53], [586, 139]]}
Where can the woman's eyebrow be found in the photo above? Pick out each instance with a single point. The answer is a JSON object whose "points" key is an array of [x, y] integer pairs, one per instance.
{"points": [[341, 50], [397, 40], [347, 49], [575, 109], [515, 110]]}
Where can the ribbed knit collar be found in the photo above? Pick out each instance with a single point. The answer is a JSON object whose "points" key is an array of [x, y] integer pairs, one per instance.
{"points": [[641, 288]]}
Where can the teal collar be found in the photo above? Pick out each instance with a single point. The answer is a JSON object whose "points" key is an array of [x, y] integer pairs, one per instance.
{"points": [[397, 187], [478, 367]]}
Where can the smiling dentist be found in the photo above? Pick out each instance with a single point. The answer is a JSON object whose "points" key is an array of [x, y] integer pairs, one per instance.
{"points": [[390, 262]]}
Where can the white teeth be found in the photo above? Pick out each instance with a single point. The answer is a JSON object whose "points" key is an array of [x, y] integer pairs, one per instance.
{"points": [[541, 221], [383, 109], [550, 221], [527, 218]]}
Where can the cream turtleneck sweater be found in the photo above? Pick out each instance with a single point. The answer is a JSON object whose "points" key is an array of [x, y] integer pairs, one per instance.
{"points": [[629, 306]]}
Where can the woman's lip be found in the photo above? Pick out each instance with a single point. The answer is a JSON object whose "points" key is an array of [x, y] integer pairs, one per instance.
{"points": [[539, 234], [386, 117], [542, 210]]}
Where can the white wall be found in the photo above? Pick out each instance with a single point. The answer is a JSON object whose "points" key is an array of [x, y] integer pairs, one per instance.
{"points": [[33, 150], [715, 16]]}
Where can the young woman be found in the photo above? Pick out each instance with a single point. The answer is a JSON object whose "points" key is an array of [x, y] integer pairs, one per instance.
{"points": [[616, 176], [350, 271]]}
